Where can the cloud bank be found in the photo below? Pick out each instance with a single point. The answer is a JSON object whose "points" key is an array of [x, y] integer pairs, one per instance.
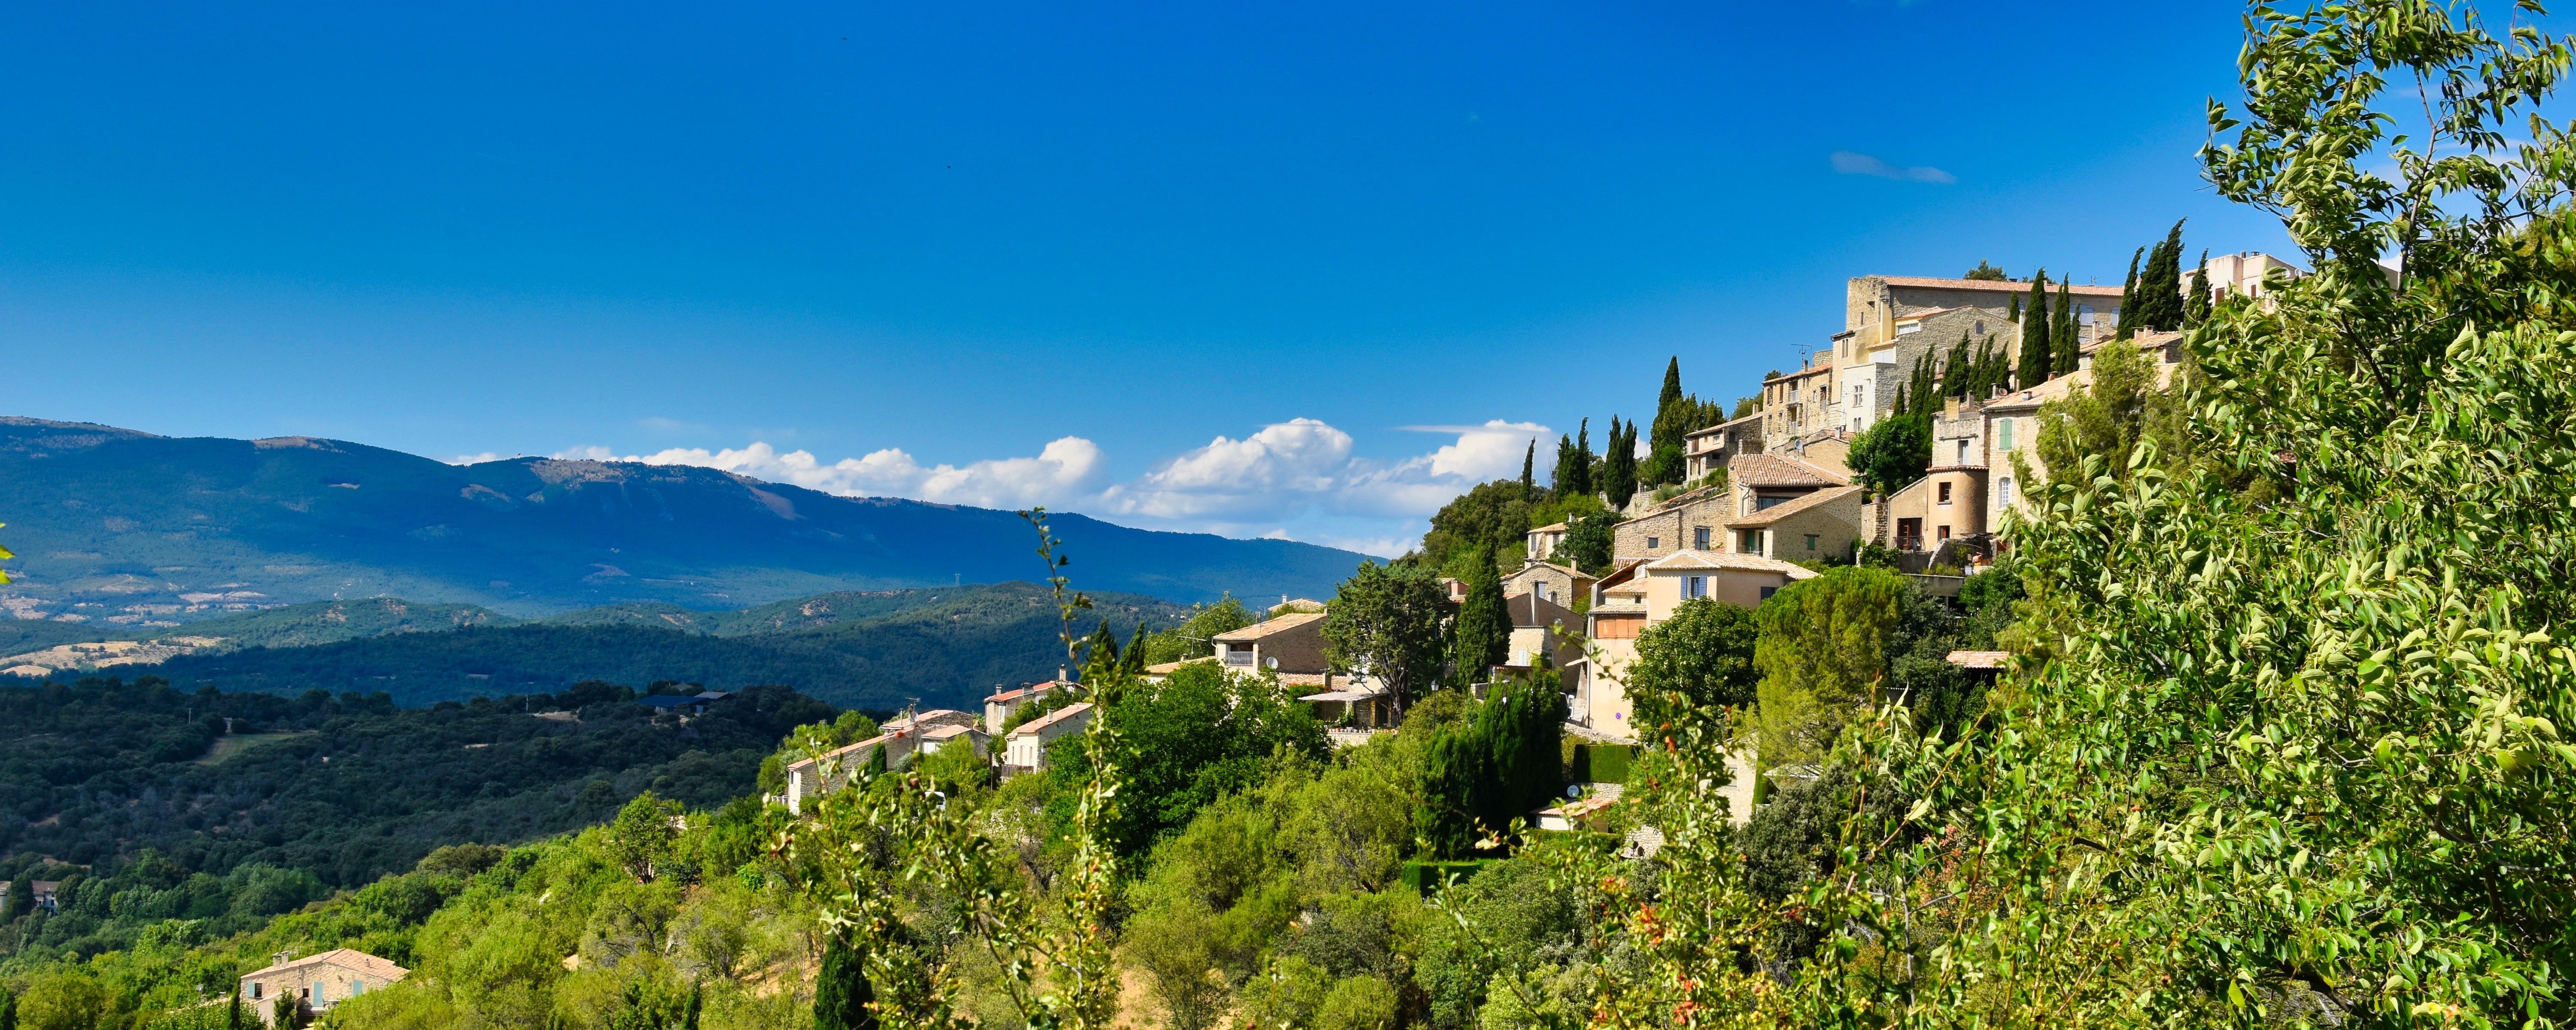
{"points": [[1848, 163], [1298, 479]]}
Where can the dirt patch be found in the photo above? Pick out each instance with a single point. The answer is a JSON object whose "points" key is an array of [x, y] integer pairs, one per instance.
{"points": [[226, 747]]}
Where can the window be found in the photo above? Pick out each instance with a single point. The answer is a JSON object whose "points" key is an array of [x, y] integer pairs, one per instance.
{"points": [[1748, 541], [1963, 451], [1811, 541], [1944, 532], [1694, 587], [2003, 492], [1546, 591], [258, 990], [1699, 538], [2003, 434], [1768, 591], [1945, 493], [1654, 542], [1981, 327]]}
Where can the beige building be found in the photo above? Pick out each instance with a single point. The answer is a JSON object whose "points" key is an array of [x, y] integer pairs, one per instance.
{"points": [[1708, 450], [999, 708], [900, 737], [316, 982], [1290, 645], [1769, 506], [1025, 751], [1642, 594]]}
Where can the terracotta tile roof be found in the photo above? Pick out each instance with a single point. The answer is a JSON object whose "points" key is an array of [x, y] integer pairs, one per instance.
{"points": [[1728, 560], [1929, 312], [1168, 668], [1031, 690], [1553, 527], [1781, 470], [1723, 426], [2031, 399], [1568, 570], [1775, 513], [1926, 282], [1053, 719], [949, 732], [1277, 624], [1980, 659], [345, 958]]}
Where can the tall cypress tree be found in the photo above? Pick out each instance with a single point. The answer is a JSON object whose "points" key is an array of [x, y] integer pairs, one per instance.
{"points": [[2065, 352], [2129, 297], [1619, 464], [1583, 466], [842, 991], [2160, 286], [2034, 333], [1481, 636], [1957, 372], [1673, 412], [1529, 470], [2196, 308]]}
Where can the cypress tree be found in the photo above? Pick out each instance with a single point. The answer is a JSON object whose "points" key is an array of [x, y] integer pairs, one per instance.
{"points": [[842, 991], [1560, 480], [1529, 470], [2129, 297], [689, 1019], [1619, 465], [2196, 309], [1583, 483], [9, 1020], [2065, 351], [2012, 305], [1481, 637], [1673, 416], [1957, 374], [2160, 306], [2034, 333]]}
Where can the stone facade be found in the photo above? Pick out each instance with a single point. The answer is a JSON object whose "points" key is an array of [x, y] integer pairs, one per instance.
{"points": [[316, 982], [1554, 583]]}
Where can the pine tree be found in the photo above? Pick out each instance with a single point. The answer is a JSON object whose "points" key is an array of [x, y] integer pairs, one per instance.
{"points": [[2034, 333], [2129, 298], [2065, 352], [842, 991], [1529, 470], [1481, 636]]}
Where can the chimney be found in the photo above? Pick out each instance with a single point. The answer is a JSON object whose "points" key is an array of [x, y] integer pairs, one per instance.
{"points": [[282, 957], [1063, 674]]}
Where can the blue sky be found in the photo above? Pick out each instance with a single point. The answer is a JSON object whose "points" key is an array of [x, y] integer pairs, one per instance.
{"points": [[1257, 269]]}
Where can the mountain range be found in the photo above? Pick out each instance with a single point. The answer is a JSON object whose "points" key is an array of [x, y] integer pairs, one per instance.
{"points": [[946, 647], [128, 528]]}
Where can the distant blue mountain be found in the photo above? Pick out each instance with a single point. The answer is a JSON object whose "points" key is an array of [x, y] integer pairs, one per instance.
{"points": [[114, 526]]}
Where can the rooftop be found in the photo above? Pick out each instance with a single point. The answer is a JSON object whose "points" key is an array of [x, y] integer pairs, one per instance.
{"points": [[1980, 659], [1053, 719], [2009, 285], [1782, 470], [1277, 624], [346, 958], [1775, 513], [1029, 690], [1728, 560]]}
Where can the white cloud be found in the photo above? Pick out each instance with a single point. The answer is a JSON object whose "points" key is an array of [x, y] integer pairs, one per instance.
{"points": [[1848, 163], [474, 459], [1060, 472], [1296, 479]]}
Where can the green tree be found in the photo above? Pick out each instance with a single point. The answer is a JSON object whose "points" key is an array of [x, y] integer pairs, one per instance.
{"points": [[1529, 470], [1589, 541], [1386, 624], [2035, 352], [841, 990], [2160, 286], [2065, 351], [1181, 744], [1821, 653], [2129, 298], [1893, 453], [1191, 638], [1699, 659], [1986, 273], [2106, 418], [1574, 464], [2196, 306], [642, 835], [1481, 635], [1619, 465]]}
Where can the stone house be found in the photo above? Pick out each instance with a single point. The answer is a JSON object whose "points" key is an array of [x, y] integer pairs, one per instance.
{"points": [[999, 708], [1560, 584], [316, 982], [1543, 542], [1713, 448], [1289, 645], [1025, 750]]}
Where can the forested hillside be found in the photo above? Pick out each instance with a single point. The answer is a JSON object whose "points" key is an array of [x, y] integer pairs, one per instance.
{"points": [[944, 647]]}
